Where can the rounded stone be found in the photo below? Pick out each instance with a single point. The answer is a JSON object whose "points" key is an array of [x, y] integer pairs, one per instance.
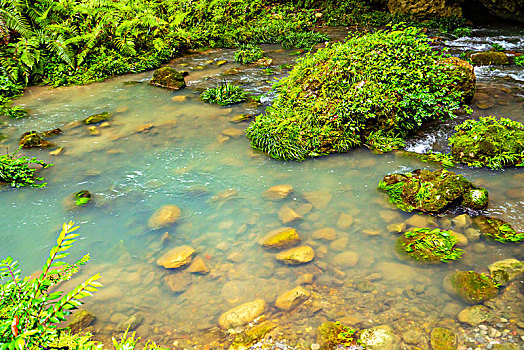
{"points": [[278, 192], [325, 234], [242, 314], [443, 339], [296, 256], [280, 238], [165, 216], [380, 338], [292, 298], [176, 257], [346, 259]]}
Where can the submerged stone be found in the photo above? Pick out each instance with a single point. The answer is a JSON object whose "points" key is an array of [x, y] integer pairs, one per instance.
{"points": [[473, 287], [165, 216], [505, 271], [380, 338], [176, 257], [331, 335], [33, 139], [242, 314], [443, 339], [280, 238], [288, 215], [429, 245], [296, 256], [198, 266], [432, 191], [292, 298], [497, 229], [168, 78], [278, 192], [476, 315], [131, 323], [81, 320], [97, 118]]}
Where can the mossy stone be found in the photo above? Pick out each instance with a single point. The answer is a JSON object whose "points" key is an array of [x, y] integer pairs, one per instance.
{"points": [[33, 139], [464, 77], [504, 271], [487, 58], [475, 198], [81, 320], [97, 118], [332, 334], [168, 78], [473, 287], [497, 229], [443, 339], [429, 245]]}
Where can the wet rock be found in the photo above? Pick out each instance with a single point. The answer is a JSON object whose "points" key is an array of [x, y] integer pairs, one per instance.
{"points": [[97, 118], [344, 221], [57, 151], [505, 9], [242, 314], [94, 131], [179, 98], [233, 132], [505, 271], [325, 234], [177, 282], [487, 58], [497, 229], [443, 339], [425, 9], [304, 209], [319, 199], [296, 256], [288, 215], [464, 77], [475, 315], [463, 220], [278, 192], [472, 234], [32, 139], [306, 278], [165, 216], [50, 133], [380, 338], [429, 245], [177, 257], [346, 259], [292, 298], [421, 221], [198, 266], [240, 118], [339, 245], [131, 323], [169, 78], [81, 320], [505, 346], [397, 228], [432, 191], [332, 334], [144, 128], [415, 337], [461, 239], [280, 238]]}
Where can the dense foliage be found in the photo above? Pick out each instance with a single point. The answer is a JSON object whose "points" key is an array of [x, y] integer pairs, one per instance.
{"points": [[29, 312], [224, 94], [430, 245], [15, 170], [248, 53], [498, 229], [333, 100], [490, 142]]}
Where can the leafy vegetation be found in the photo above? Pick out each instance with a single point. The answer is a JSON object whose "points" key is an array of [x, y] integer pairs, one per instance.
{"points": [[333, 100], [15, 170], [224, 94], [519, 60], [430, 245], [442, 158], [334, 335], [498, 229], [497, 48], [381, 142], [248, 53], [29, 312], [490, 142]]}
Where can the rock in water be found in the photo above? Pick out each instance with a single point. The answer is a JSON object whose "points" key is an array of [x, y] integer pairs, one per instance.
{"points": [[497, 229], [168, 78], [32, 139], [287, 215], [380, 338], [278, 192], [176, 257], [165, 216], [475, 315], [443, 339], [296, 256], [505, 271], [131, 323], [473, 287], [177, 282], [97, 118], [198, 266], [325, 234], [280, 238], [464, 77], [81, 320], [292, 298], [242, 314], [487, 58], [332, 335]]}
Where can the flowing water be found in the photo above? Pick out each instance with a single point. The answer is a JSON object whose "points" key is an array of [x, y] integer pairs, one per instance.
{"points": [[159, 150]]}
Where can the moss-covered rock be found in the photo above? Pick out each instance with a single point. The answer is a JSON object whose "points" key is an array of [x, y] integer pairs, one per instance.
{"points": [[473, 287], [429, 245], [33, 139], [497, 229], [425, 9], [489, 142], [82, 198], [332, 334], [432, 191], [97, 118], [464, 76], [81, 320], [380, 338], [443, 339], [385, 82], [487, 58], [168, 78], [505, 271]]}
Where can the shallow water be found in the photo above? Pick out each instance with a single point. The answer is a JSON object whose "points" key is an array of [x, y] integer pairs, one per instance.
{"points": [[217, 181]]}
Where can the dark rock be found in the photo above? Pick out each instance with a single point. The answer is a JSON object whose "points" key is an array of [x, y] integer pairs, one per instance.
{"points": [[33, 139], [512, 10], [426, 9], [169, 78]]}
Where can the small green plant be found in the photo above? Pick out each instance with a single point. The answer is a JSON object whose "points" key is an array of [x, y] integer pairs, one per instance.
{"points": [[15, 170], [498, 229], [248, 53], [225, 94], [29, 312], [519, 60], [462, 31], [381, 141], [82, 198], [303, 40], [430, 245], [445, 159], [497, 48]]}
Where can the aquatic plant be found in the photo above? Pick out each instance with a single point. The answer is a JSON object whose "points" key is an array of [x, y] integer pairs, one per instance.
{"points": [[389, 81], [225, 94], [334, 335], [248, 53], [497, 48], [430, 245], [519, 60], [303, 40], [82, 198], [497, 229], [15, 170], [490, 142], [29, 312]]}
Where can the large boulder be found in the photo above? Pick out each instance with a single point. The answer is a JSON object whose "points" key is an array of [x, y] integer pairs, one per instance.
{"points": [[242, 314], [168, 78], [488, 58], [512, 10], [426, 9]]}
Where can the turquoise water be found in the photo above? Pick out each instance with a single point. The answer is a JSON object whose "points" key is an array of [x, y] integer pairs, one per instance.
{"points": [[218, 182]]}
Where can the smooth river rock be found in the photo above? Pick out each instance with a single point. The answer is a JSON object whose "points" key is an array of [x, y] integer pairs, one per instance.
{"points": [[278, 192], [292, 298], [165, 216], [346, 259], [325, 234], [288, 215], [280, 238], [198, 266], [176, 257], [475, 315], [505, 271], [297, 255], [380, 338], [242, 314]]}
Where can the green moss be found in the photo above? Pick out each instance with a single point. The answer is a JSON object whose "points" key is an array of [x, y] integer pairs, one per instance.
{"points": [[82, 198], [97, 118], [225, 94], [490, 142], [497, 229], [443, 339], [336, 99], [33, 139], [473, 287], [332, 334], [429, 245], [432, 191], [168, 78], [248, 53]]}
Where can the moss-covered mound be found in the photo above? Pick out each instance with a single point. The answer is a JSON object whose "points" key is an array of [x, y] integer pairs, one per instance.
{"points": [[343, 95], [33, 139], [97, 118], [490, 142], [429, 245], [497, 229], [432, 191], [472, 286], [331, 335], [168, 78]]}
